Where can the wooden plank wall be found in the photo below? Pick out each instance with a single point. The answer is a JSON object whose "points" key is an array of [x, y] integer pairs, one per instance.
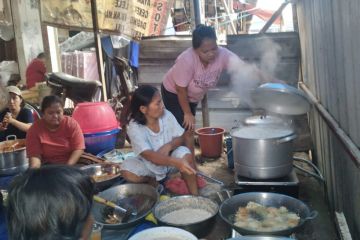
{"points": [[329, 37]]}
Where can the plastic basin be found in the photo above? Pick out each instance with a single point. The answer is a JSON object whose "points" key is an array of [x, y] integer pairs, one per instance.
{"points": [[98, 142], [95, 117]]}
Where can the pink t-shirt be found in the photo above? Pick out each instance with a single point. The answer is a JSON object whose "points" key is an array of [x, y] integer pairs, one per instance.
{"points": [[188, 71]]}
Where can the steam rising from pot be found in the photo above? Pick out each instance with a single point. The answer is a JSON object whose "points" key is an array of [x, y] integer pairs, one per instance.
{"points": [[246, 76]]}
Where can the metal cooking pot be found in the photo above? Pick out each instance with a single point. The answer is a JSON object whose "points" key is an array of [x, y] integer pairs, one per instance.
{"points": [[200, 228], [13, 156], [263, 151], [139, 197], [230, 206]]}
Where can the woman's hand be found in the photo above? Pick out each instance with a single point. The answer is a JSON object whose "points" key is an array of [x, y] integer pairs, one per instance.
{"points": [[189, 121], [5, 122], [165, 149], [8, 118], [184, 167]]}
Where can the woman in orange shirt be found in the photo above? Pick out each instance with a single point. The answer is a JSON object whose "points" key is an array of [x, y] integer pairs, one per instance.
{"points": [[55, 138]]}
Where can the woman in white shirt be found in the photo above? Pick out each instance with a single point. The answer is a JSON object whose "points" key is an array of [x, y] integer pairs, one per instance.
{"points": [[158, 142]]}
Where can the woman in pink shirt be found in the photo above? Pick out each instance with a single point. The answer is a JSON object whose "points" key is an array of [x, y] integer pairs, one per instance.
{"points": [[195, 71]]}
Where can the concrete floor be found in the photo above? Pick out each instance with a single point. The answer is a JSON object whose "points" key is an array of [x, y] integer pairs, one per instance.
{"points": [[311, 192]]}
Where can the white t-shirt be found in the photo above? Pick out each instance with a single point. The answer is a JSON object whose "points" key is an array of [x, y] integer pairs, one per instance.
{"points": [[142, 138]]}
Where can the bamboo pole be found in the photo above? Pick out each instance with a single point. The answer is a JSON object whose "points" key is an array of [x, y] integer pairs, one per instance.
{"points": [[98, 46]]}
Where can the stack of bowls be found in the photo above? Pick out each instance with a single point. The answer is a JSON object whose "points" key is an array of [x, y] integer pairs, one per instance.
{"points": [[99, 125]]}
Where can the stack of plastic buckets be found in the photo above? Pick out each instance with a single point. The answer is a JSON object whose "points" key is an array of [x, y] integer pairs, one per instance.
{"points": [[99, 125]]}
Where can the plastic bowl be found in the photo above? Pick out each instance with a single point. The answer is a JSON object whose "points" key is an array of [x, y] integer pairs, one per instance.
{"points": [[95, 117], [98, 142]]}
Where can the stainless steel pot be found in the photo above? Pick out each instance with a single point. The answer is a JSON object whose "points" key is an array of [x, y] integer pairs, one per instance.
{"points": [[230, 206], [13, 156], [200, 228], [138, 197], [263, 151]]}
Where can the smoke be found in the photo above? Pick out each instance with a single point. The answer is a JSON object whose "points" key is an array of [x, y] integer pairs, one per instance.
{"points": [[246, 76]]}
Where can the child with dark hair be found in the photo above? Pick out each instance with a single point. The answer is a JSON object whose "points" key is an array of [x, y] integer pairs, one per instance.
{"points": [[50, 203], [158, 142]]}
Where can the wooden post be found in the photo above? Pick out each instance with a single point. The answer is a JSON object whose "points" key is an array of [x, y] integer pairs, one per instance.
{"points": [[99, 56], [16, 15], [204, 103]]}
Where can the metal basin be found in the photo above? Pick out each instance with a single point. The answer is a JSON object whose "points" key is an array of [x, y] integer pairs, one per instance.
{"points": [[104, 175], [199, 228], [141, 198], [230, 206]]}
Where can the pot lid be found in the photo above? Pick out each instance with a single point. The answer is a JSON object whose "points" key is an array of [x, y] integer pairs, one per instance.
{"points": [[280, 98], [263, 119], [262, 132]]}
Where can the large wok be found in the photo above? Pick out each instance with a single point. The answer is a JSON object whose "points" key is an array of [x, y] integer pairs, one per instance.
{"points": [[199, 228], [230, 206], [140, 198]]}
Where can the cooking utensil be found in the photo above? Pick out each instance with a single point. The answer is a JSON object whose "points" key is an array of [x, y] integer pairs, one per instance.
{"points": [[263, 152], [13, 156], [163, 233], [211, 179], [200, 228], [280, 98], [140, 197], [230, 206], [121, 213]]}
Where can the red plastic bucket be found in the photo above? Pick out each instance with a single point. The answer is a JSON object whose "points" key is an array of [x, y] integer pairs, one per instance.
{"points": [[95, 117], [211, 141]]}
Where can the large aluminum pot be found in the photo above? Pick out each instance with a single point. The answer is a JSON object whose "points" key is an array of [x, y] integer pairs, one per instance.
{"points": [[13, 157], [230, 206], [263, 151], [199, 228], [139, 198]]}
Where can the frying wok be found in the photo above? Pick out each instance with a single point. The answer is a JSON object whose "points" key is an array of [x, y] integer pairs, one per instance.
{"points": [[139, 198], [230, 206]]}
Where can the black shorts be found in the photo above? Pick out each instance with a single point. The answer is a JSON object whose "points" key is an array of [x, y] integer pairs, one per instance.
{"points": [[172, 104]]}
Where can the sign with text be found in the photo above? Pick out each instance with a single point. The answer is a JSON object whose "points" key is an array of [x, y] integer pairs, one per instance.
{"points": [[133, 18]]}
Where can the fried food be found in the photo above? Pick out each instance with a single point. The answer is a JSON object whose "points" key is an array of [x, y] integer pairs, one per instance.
{"points": [[257, 217]]}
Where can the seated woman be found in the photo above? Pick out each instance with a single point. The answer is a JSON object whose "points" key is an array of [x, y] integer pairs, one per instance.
{"points": [[158, 141], [16, 120], [55, 138], [53, 202]]}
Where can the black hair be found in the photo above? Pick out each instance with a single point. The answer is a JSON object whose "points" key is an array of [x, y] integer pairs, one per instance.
{"points": [[200, 33], [141, 97], [41, 55], [51, 202], [50, 100]]}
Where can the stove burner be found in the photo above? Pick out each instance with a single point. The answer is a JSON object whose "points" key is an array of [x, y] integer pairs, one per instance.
{"points": [[288, 185], [290, 180], [235, 234]]}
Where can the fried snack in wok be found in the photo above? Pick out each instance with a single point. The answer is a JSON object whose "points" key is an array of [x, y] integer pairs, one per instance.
{"points": [[257, 217]]}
